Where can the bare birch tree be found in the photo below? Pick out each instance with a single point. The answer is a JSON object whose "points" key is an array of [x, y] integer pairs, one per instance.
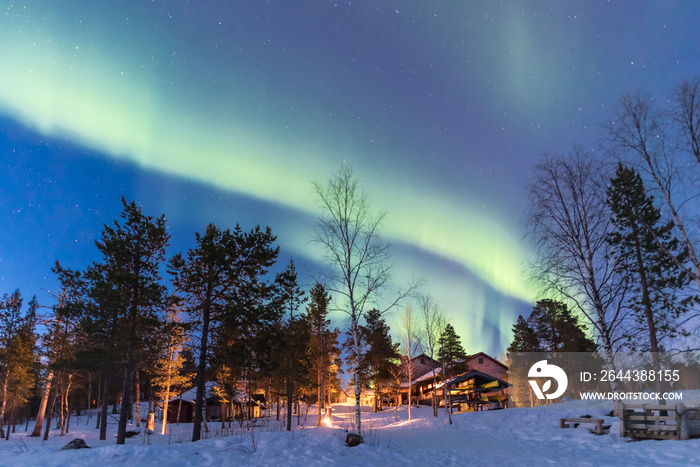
{"points": [[665, 146], [349, 234], [433, 323], [410, 344], [568, 223]]}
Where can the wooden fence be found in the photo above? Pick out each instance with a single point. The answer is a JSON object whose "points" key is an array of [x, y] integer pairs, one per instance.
{"points": [[653, 421]]}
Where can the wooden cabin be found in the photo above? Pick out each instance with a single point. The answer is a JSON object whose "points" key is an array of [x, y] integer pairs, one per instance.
{"points": [[181, 409], [474, 390], [423, 384]]}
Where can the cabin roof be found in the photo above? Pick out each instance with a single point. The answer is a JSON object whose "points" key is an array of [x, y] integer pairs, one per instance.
{"points": [[473, 374]]}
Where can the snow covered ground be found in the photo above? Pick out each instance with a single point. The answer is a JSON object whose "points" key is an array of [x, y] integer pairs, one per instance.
{"points": [[503, 437]]}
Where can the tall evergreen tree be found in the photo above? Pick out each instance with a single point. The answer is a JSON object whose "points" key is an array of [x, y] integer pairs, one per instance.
{"points": [[167, 370], [126, 284], [557, 329], [450, 352], [295, 330], [61, 342], [524, 338], [639, 241], [324, 347], [380, 354], [220, 282], [88, 305], [17, 355], [452, 359]]}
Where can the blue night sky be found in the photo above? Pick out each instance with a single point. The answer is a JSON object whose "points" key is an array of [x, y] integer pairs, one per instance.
{"points": [[226, 111]]}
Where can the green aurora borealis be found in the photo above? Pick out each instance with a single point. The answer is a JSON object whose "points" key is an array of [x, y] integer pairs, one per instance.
{"points": [[440, 109]]}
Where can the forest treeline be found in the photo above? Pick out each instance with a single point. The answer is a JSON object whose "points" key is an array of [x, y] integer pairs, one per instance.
{"points": [[219, 322], [119, 330]]}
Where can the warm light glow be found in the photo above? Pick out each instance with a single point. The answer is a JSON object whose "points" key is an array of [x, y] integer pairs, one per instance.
{"points": [[327, 422]]}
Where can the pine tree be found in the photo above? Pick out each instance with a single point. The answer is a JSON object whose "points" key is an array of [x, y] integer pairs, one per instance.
{"points": [[450, 351], [557, 329], [17, 355], [641, 245], [220, 284], [453, 359], [295, 332], [524, 338], [323, 347], [380, 356], [127, 288], [167, 375], [60, 344]]}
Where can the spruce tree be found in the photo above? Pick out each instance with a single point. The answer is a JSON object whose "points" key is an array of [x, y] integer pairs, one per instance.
{"points": [[380, 355], [641, 244], [17, 355], [450, 352], [324, 346], [524, 338], [295, 331], [557, 329]]}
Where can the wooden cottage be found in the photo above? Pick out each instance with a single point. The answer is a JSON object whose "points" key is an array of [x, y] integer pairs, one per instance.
{"points": [[475, 390], [181, 409]]}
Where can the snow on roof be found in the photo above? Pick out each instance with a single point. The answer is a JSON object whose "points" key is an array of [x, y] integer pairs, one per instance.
{"points": [[191, 394], [209, 386], [470, 374], [424, 377]]}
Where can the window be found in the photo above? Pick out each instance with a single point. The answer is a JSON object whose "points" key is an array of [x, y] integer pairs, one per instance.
{"points": [[481, 360], [422, 361]]}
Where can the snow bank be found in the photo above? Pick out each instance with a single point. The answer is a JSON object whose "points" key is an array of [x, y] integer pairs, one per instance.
{"points": [[503, 437]]}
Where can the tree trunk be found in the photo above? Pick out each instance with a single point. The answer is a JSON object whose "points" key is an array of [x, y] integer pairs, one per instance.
{"points": [[445, 394], [205, 427], [138, 398], [42, 406], [48, 419], [64, 405], [435, 407], [9, 422], [319, 379], [105, 404], [129, 367], [356, 356], [179, 409], [410, 398], [4, 399], [290, 382], [396, 407], [201, 383], [223, 415], [68, 420], [167, 395], [89, 397], [149, 392]]}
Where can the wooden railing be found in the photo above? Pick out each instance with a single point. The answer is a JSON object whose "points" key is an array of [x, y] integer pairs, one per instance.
{"points": [[654, 421]]}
